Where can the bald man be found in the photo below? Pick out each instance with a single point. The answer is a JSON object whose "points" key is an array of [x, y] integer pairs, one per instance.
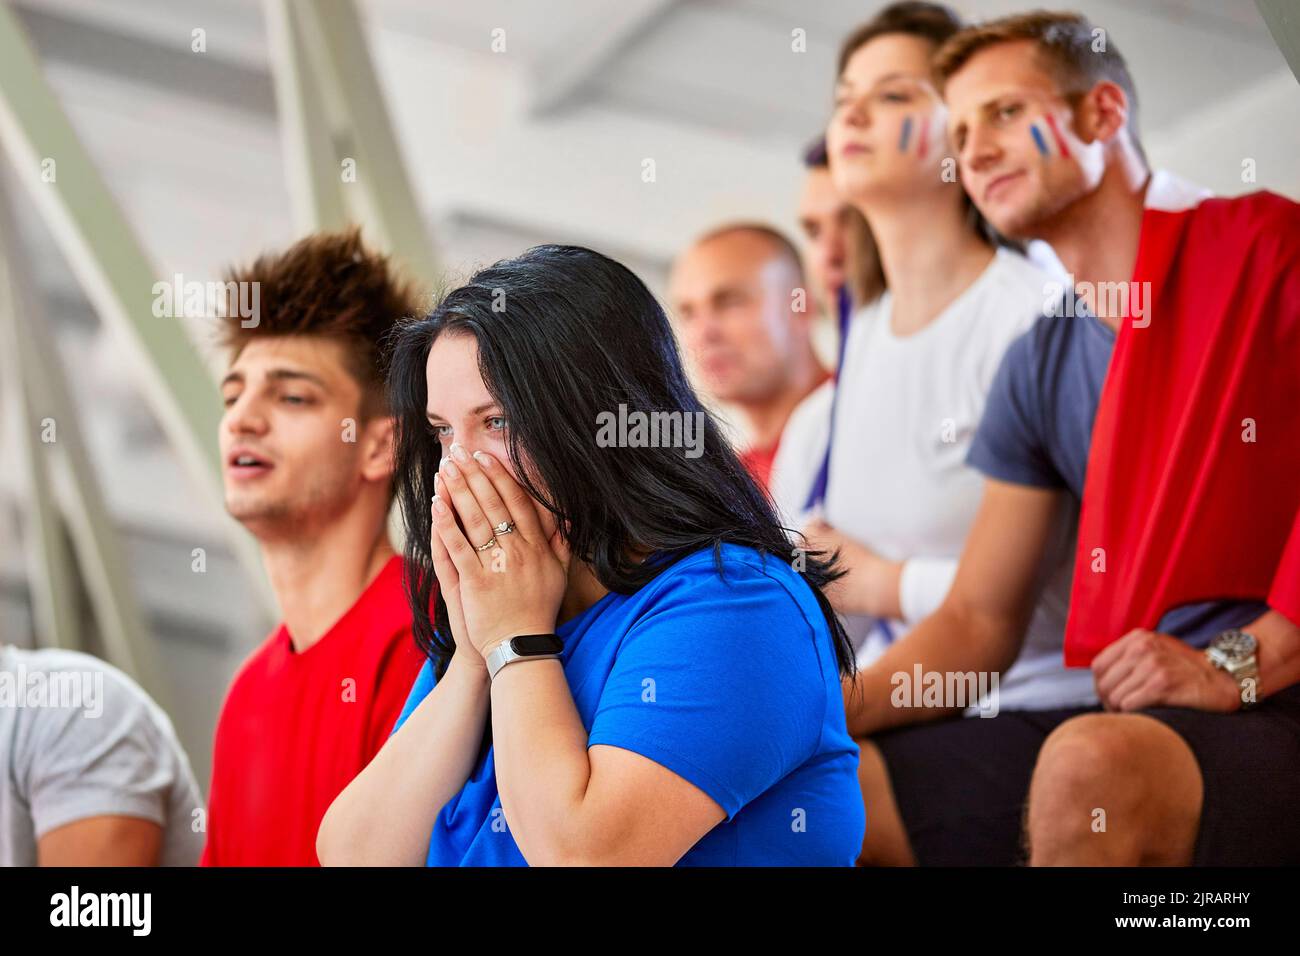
{"points": [[744, 316]]}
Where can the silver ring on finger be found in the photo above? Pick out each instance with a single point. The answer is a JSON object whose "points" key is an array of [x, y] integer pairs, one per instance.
{"points": [[504, 527]]}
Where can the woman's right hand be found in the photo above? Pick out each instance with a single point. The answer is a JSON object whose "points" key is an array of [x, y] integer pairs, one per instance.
{"points": [[449, 587]]}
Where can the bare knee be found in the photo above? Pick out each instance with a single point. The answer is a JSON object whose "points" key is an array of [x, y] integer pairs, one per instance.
{"points": [[1113, 789]]}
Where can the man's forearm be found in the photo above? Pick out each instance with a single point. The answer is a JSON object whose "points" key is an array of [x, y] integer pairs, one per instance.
{"points": [[948, 641]]}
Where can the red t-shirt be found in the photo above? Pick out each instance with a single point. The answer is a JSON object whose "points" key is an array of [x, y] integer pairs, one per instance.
{"points": [[296, 728], [759, 462]]}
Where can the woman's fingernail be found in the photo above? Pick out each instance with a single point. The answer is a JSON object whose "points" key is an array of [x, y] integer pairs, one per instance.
{"points": [[449, 468], [483, 459], [439, 506], [458, 452]]}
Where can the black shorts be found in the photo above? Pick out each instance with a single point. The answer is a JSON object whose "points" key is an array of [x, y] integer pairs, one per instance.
{"points": [[961, 784]]}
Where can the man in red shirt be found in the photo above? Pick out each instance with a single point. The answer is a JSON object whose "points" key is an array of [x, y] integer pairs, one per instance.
{"points": [[307, 448], [745, 317]]}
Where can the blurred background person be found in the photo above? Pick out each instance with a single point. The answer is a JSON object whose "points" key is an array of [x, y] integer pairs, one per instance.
{"points": [[307, 444], [745, 316], [845, 267], [91, 772], [824, 220]]}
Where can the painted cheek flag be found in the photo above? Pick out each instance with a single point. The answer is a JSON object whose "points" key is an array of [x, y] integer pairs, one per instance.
{"points": [[1037, 134], [1193, 482], [1041, 142], [923, 140], [1056, 136]]}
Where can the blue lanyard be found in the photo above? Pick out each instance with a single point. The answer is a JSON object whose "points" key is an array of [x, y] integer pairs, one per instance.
{"points": [[817, 494]]}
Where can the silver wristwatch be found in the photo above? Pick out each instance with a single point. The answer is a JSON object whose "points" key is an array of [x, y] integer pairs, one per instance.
{"points": [[1234, 651], [526, 647]]}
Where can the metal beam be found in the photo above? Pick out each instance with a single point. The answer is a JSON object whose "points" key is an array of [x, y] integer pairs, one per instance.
{"points": [[112, 268], [311, 163], [91, 45], [100, 246], [556, 81], [51, 573], [1283, 20], [382, 194], [102, 560]]}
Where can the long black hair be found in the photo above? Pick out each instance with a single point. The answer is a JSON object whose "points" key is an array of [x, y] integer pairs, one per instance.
{"points": [[564, 335]]}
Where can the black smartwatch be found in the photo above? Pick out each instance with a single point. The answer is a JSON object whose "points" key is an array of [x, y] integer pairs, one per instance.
{"points": [[525, 647]]}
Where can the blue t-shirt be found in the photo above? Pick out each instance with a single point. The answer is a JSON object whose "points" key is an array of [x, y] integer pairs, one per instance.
{"points": [[1037, 430], [728, 681]]}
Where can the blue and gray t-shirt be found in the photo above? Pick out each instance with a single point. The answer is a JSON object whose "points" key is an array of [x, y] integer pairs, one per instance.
{"points": [[1037, 430]]}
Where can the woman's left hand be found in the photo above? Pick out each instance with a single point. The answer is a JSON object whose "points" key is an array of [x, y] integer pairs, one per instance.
{"points": [[516, 586]]}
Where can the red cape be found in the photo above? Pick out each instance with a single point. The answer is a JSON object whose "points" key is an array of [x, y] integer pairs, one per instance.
{"points": [[1193, 483]]}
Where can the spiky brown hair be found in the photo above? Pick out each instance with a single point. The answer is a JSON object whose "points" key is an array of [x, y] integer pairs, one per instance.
{"points": [[331, 285]]}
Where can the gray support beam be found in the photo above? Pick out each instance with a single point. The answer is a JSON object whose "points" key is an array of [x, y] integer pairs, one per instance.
{"points": [[113, 270], [101, 248], [311, 164], [560, 77], [51, 573], [1283, 19], [382, 193], [103, 561]]}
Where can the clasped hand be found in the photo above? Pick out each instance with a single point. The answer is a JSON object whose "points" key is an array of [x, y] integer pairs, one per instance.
{"points": [[513, 587]]}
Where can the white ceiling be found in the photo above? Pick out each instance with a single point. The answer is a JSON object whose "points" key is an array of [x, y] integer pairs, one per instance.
{"points": [[710, 88]]}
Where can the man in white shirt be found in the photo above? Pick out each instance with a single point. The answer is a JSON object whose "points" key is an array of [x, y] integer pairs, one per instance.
{"points": [[91, 772]]}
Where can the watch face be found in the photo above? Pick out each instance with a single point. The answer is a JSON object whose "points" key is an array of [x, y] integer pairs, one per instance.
{"points": [[530, 645], [1234, 645]]}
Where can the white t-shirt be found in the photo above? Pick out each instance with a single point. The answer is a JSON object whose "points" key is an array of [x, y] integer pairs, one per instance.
{"points": [[79, 739], [799, 454], [899, 483]]}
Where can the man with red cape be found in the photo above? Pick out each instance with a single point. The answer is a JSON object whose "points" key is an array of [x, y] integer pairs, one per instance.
{"points": [[1160, 397]]}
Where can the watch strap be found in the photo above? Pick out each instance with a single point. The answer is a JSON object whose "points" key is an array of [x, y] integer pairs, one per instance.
{"points": [[505, 653], [1245, 672]]}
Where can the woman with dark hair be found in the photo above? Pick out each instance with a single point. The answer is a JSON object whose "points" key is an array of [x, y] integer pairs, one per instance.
{"points": [[624, 667]]}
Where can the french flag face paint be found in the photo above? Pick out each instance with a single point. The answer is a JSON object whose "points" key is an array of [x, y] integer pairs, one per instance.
{"points": [[1038, 138], [923, 141], [1056, 135], [905, 136]]}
